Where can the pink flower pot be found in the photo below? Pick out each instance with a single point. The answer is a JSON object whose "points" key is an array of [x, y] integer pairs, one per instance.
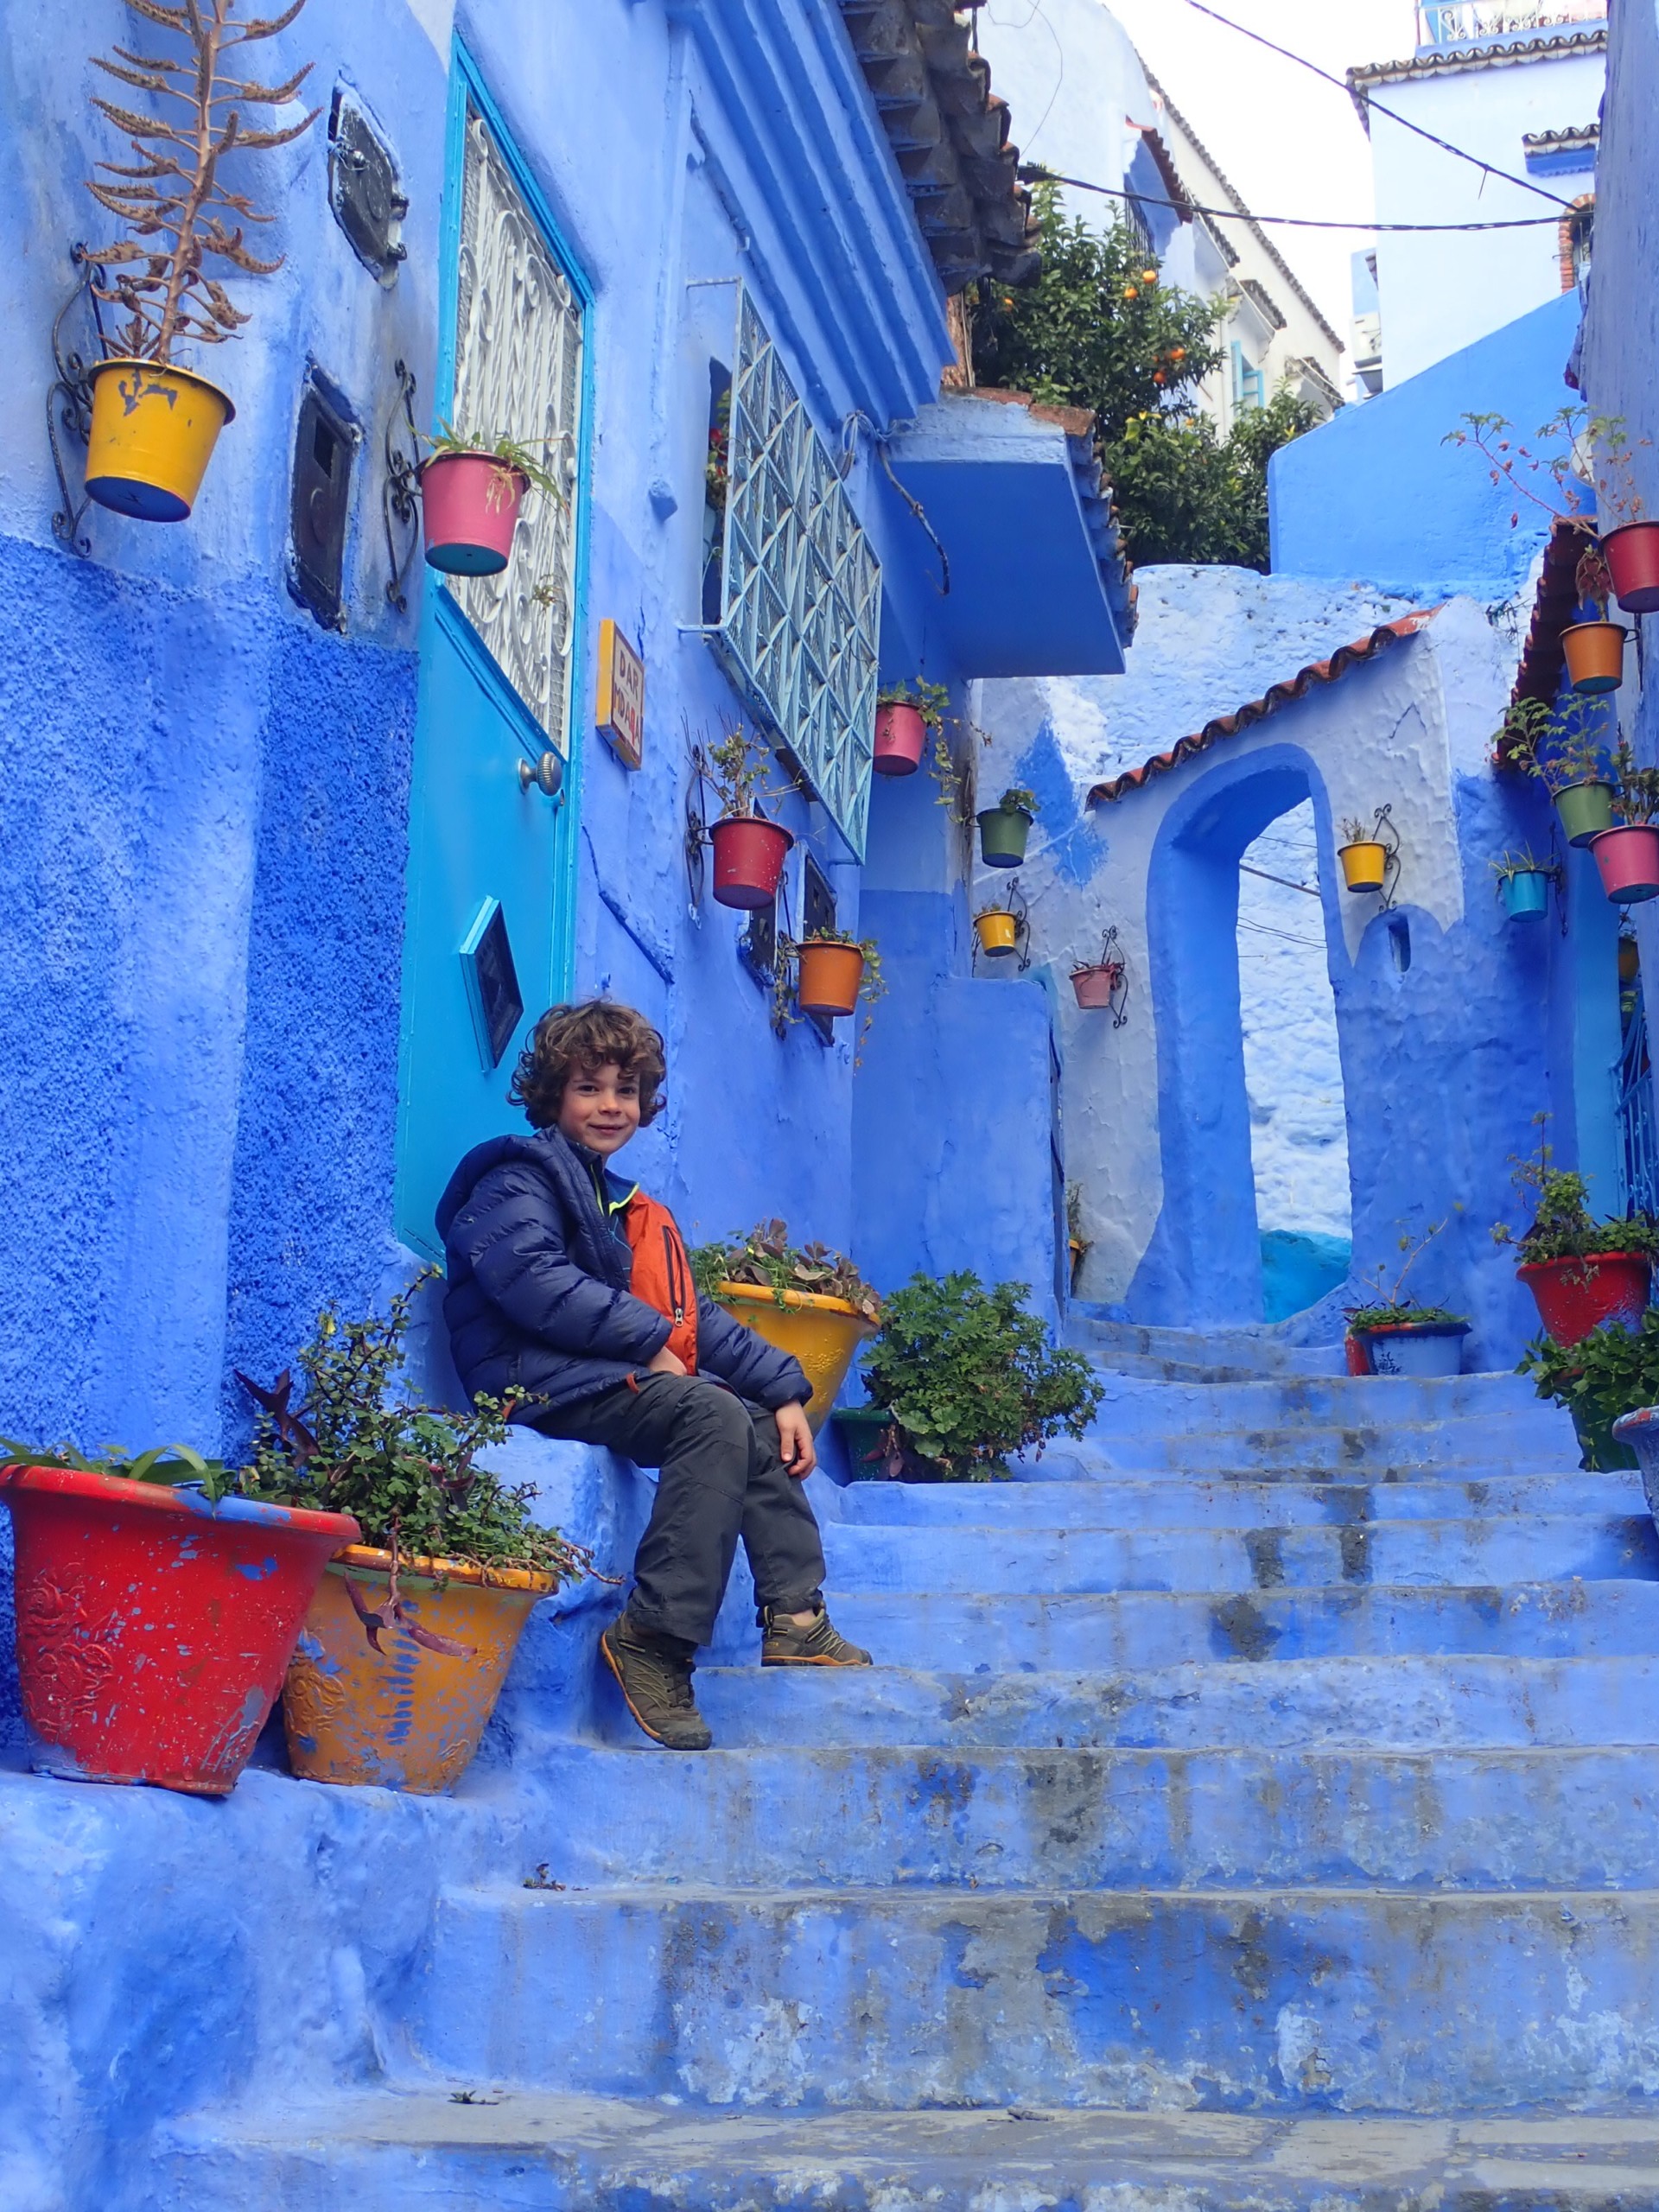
{"points": [[749, 856], [1094, 986], [1632, 553], [900, 738], [1628, 858], [469, 509]]}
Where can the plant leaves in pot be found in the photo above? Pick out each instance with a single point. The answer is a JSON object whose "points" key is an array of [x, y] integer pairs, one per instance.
{"points": [[408, 1641], [805, 1299], [1005, 829], [1523, 882], [1627, 855], [749, 851], [1583, 1273], [904, 713], [1398, 1336], [1595, 645], [472, 490]]}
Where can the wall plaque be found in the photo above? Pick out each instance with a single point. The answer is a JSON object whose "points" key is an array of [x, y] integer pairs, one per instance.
{"points": [[492, 982], [621, 711]]}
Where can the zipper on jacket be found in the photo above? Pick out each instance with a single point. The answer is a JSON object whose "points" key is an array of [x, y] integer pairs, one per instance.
{"points": [[675, 1274]]}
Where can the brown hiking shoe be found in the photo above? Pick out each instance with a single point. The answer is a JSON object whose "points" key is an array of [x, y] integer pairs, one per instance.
{"points": [[819, 1645], [656, 1685]]}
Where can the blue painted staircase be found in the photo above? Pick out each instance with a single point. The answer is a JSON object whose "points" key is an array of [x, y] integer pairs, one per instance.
{"points": [[1256, 1806]]}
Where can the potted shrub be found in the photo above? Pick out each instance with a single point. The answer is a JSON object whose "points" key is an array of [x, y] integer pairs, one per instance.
{"points": [[411, 1631], [809, 1301], [1005, 828], [1396, 1336], [997, 928], [153, 424], [1523, 884], [1562, 748], [1364, 857], [158, 1601], [966, 1378], [1583, 1273], [1631, 546], [904, 712], [1627, 855], [1595, 650], [1606, 1375], [749, 851], [472, 489]]}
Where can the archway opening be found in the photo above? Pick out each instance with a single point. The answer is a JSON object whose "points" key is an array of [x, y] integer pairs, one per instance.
{"points": [[1292, 1069]]}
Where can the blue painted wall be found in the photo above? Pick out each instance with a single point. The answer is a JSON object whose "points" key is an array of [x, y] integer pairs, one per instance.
{"points": [[1377, 495]]}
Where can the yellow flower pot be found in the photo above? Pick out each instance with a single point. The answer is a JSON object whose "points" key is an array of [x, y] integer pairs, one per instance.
{"points": [[1363, 864], [152, 434], [998, 933], [403, 1717], [823, 1333]]}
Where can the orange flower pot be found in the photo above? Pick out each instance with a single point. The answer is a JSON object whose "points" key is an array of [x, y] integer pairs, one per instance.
{"points": [[829, 978], [1595, 655]]}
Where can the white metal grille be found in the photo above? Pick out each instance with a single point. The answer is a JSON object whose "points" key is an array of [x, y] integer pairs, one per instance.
{"points": [[518, 372], [800, 596]]}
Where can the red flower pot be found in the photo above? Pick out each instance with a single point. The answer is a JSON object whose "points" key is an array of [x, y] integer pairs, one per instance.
{"points": [[1632, 552], [154, 1628], [1628, 858], [900, 738], [829, 977], [1095, 986], [469, 509], [1574, 1296], [1595, 655], [749, 855]]}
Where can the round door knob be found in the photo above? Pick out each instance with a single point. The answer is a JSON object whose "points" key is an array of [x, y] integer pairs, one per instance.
{"points": [[547, 775]]}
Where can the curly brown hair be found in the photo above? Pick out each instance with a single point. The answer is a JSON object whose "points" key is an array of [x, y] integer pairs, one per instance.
{"points": [[593, 1035]]}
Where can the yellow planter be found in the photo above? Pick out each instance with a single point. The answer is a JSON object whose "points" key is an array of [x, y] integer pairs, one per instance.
{"points": [[823, 1333], [152, 434], [403, 1717], [1363, 864], [998, 932]]}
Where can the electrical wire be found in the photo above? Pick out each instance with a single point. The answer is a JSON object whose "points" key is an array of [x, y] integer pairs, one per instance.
{"points": [[1262, 930], [1246, 869], [1036, 173], [1392, 114]]}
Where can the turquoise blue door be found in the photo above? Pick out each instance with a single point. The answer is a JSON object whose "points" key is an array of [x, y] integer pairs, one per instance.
{"points": [[486, 942]]}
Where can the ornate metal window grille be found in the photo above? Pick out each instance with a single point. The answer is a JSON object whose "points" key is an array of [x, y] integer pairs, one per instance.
{"points": [[1638, 1142], [800, 589], [519, 339]]}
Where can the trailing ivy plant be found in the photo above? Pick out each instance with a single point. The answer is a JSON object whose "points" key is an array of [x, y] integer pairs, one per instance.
{"points": [[1611, 1371], [968, 1375], [408, 1473], [930, 701], [766, 1260]]}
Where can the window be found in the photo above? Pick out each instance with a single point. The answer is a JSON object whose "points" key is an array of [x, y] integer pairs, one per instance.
{"points": [[800, 596], [1250, 385]]}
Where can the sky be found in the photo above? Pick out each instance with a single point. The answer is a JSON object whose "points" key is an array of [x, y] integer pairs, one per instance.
{"points": [[1290, 144]]}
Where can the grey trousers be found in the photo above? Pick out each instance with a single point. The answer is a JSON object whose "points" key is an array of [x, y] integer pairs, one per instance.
{"points": [[722, 1478]]}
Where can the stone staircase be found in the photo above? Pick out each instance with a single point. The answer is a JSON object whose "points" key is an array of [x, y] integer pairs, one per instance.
{"points": [[1257, 1807]]}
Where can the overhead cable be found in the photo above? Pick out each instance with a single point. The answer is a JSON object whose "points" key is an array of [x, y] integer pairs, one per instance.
{"points": [[1037, 173]]}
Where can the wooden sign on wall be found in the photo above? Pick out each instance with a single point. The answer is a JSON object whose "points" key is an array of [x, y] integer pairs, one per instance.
{"points": [[620, 709]]}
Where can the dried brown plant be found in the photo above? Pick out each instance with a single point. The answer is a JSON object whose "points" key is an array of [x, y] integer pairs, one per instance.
{"points": [[170, 197]]}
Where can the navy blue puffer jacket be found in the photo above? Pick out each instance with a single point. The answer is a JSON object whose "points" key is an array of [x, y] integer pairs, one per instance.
{"points": [[538, 1297]]}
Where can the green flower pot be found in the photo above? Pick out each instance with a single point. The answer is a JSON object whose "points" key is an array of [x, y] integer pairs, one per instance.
{"points": [[1002, 835], [1586, 810]]}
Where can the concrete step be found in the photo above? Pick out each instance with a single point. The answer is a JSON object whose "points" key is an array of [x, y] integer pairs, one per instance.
{"points": [[961, 1561], [1342, 1401], [1347, 2000], [1261, 1347], [1312, 1453], [1172, 1501], [1124, 1628], [527, 2152], [1350, 1703], [783, 1816]]}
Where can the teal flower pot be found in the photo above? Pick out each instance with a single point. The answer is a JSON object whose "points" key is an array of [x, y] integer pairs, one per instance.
{"points": [[1002, 835], [1526, 895]]}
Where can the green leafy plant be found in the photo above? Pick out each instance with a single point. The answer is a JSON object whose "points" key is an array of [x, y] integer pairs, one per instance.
{"points": [[1018, 800], [1525, 862], [736, 767], [930, 701], [1562, 1226], [967, 1375], [766, 1260], [170, 196], [1389, 1309], [1554, 472], [872, 984], [1635, 800], [162, 1463], [510, 455], [1561, 746], [408, 1473], [1611, 1371]]}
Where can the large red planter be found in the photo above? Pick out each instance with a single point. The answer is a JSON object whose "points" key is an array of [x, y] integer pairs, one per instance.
{"points": [[1575, 1296], [1632, 552], [469, 509], [154, 1628], [1627, 858], [749, 856], [900, 738]]}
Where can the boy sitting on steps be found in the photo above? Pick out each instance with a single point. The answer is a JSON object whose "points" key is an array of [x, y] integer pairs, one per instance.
{"points": [[569, 1284]]}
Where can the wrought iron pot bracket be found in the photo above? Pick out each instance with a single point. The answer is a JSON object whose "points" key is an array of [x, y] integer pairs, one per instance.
{"points": [[1111, 956], [1383, 833], [69, 400], [399, 491], [1014, 903]]}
